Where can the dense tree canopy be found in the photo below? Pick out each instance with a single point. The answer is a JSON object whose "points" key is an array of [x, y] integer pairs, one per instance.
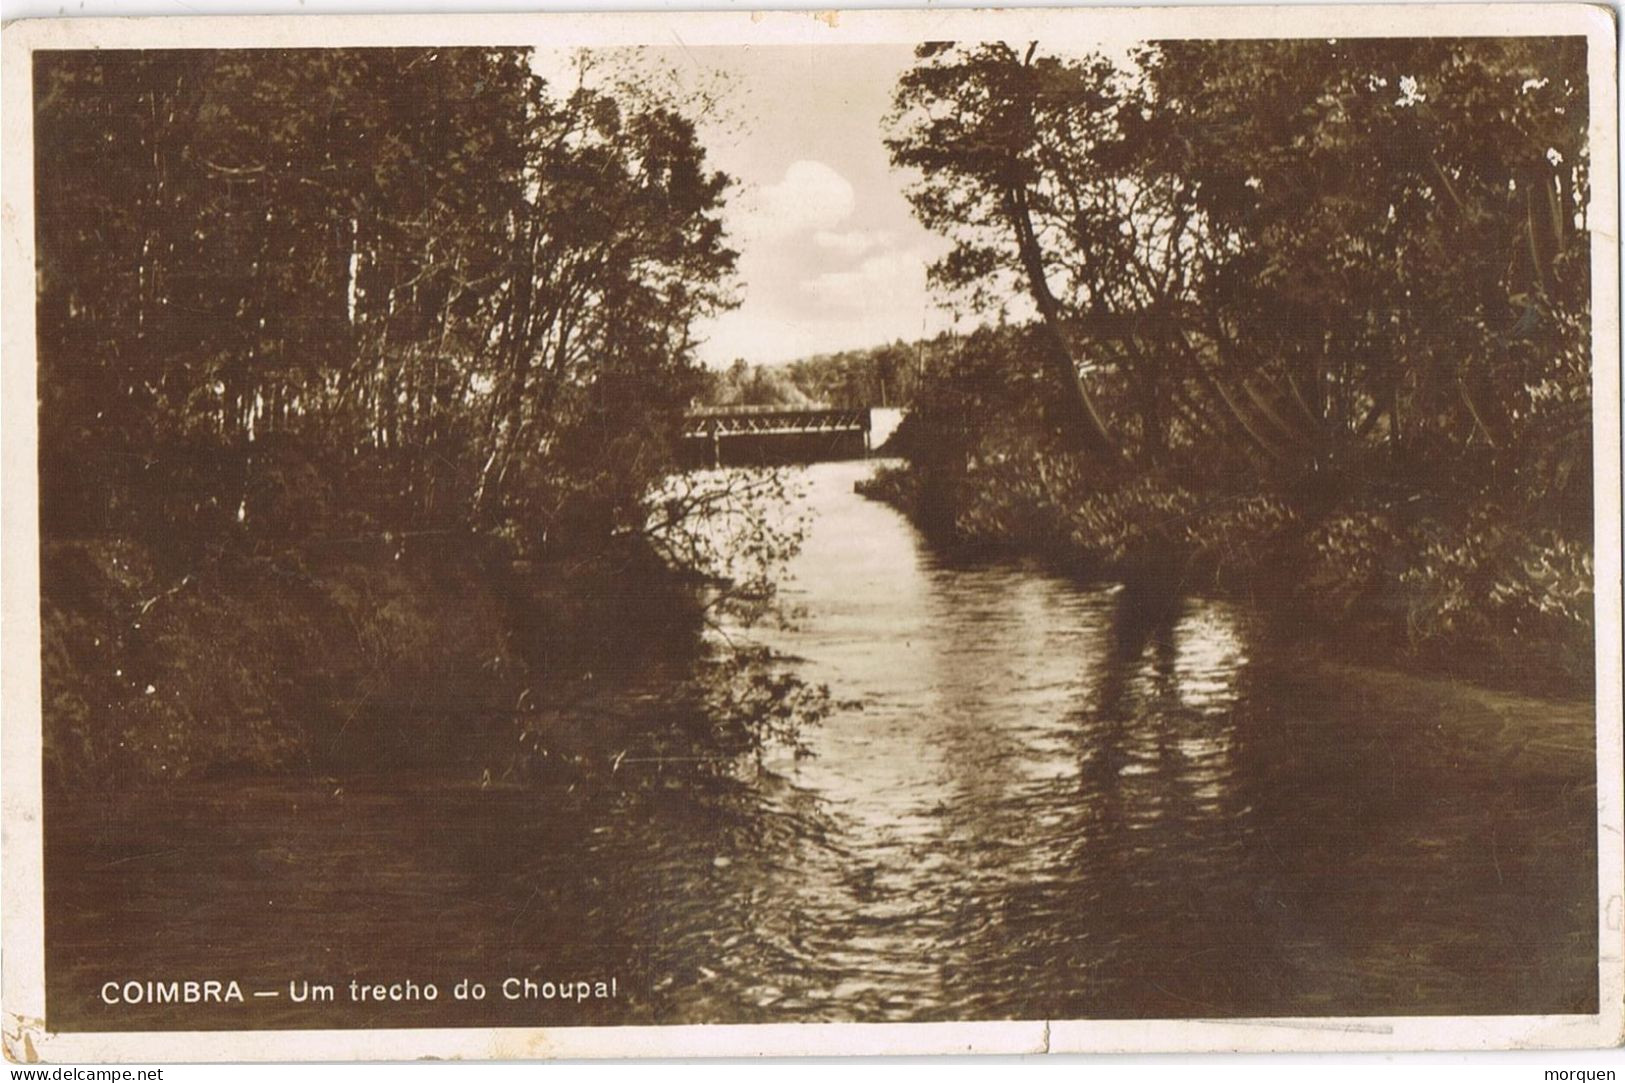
{"points": [[414, 281], [1314, 247], [1337, 285]]}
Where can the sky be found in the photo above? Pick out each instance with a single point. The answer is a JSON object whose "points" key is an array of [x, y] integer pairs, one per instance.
{"points": [[831, 257]]}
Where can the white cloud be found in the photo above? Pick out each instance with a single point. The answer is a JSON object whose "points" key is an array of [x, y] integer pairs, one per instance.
{"points": [[810, 197], [881, 279], [853, 242]]}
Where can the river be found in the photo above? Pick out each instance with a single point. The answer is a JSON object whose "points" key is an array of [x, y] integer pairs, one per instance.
{"points": [[1040, 798]]}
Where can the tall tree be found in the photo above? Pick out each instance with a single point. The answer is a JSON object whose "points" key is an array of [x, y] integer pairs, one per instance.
{"points": [[969, 120]]}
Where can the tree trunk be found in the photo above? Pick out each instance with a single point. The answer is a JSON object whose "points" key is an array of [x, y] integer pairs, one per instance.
{"points": [[1087, 427]]}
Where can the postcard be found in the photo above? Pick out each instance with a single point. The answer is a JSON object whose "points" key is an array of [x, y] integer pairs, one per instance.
{"points": [[931, 531]]}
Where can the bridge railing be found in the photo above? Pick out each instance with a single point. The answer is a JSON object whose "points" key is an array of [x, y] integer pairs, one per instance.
{"points": [[729, 421], [720, 435]]}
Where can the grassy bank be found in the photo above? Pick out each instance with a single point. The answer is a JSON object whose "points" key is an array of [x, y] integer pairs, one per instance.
{"points": [[378, 650], [1467, 590]]}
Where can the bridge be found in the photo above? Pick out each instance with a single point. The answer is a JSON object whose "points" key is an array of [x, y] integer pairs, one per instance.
{"points": [[760, 435]]}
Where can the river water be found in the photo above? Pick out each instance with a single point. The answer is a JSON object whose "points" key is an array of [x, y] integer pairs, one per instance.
{"points": [[1040, 798]]}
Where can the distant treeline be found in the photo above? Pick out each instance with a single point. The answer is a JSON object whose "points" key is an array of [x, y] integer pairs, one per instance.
{"points": [[884, 376], [1310, 318]]}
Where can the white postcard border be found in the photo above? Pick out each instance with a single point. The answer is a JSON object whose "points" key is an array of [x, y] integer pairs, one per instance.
{"points": [[25, 1037]]}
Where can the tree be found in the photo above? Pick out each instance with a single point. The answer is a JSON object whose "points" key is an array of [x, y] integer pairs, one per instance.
{"points": [[417, 280], [1398, 256], [969, 121], [1295, 253]]}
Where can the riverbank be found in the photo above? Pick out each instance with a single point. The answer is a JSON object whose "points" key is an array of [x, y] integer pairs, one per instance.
{"points": [[370, 651], [1474, 599]]}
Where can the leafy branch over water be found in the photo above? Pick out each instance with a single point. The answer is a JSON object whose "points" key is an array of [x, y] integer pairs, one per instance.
{"points": [[739, 529]]}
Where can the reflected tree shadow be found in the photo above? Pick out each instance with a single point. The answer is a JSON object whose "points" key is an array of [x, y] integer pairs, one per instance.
{"points": [[1163, 844]]}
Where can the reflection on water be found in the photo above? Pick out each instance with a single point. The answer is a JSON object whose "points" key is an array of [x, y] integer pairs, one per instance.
{"points": [[1054, 800]]}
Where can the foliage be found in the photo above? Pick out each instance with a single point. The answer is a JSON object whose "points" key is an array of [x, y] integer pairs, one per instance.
{"points": [[1293, 252], [1525, 598], [370, 660], [750, 701], [459, 296], [883, 376], [1309, 307], [742, 384], [401, 338], [735, 529]]}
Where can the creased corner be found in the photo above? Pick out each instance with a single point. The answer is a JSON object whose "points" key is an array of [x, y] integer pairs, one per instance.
{"points": [[18, 1037]]}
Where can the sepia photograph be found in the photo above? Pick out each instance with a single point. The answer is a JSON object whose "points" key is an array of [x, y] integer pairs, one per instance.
{"points": [[960, 518]]}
